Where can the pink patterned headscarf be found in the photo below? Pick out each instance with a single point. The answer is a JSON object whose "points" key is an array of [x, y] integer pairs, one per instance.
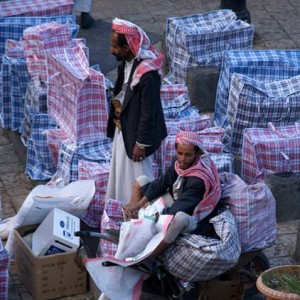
{"points": [[140, 45], [205, 169]]}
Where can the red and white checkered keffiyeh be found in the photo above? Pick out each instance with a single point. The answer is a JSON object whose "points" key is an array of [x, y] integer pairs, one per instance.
{"points": [[204, 169], [140, 45]]}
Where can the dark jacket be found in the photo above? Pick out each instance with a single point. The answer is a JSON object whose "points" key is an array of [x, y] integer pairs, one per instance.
{"points": [[142, 118], [190, 194]]}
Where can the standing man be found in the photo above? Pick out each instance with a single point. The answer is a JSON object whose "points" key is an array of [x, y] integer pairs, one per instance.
{"points": [[136, 122], [85, 7]]}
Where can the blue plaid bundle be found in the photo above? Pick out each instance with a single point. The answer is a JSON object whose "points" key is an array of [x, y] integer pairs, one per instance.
{"points": [[13, 27], [253, 103], [201, 40], [263, 65], [14, 78], [39, 165], [223, 161], [70, 154]]}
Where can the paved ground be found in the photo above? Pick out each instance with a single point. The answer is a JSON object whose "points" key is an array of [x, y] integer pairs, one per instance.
{"points": [[277, 26]]}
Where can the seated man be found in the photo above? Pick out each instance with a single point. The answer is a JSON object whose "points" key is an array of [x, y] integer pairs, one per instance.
{"points": [[192, 181]]}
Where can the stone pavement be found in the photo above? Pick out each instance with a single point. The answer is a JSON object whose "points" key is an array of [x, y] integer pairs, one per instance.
{"points": [[277, 26]]}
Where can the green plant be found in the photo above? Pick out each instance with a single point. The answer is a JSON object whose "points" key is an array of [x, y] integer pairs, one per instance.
{"points": [[288, 281]]}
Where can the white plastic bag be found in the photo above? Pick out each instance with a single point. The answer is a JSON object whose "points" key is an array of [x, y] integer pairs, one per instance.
{"points": [[73, 198]]}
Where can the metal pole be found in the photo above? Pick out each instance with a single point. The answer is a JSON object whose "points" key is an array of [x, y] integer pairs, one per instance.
{"points": [[239, 7]]}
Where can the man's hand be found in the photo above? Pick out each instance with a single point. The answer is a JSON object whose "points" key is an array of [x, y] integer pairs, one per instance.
{"points": [[138, 153], [130, 210]]}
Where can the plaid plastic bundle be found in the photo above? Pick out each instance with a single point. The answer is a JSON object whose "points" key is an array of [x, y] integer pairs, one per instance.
{"points": [[263, 65], [270, 150], [36, 97], [171, 91], [253, 207], [36, 8], [201, 40], [99, 173], [111, 219], [71, 153], [38, 39], [253, 103], [4, 265], [14, 49], [12, 28], [39, 165], [198, 123], [197, 258], [55, 138], [172, 108], [19, 81], [81, 92]]}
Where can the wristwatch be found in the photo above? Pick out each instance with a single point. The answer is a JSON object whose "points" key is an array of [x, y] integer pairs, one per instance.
{"points": [[142, 147]]}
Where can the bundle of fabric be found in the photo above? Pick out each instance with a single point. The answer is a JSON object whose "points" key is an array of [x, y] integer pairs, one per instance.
{"points": [[81, 91], [201, 40], [253, 103], [37, 39], [253, 207], [99, 173], [14, 78], [39, 164], [264, 65], [36, 8], [13, 27], [224, 161], [197, 258], [71, 152], [270, 150]]}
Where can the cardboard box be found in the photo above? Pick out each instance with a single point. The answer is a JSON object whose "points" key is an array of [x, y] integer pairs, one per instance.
{"points": [[56, 234], [47, 277]]}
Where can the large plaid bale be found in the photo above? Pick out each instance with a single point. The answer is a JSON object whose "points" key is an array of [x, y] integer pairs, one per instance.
{"points": [[197, 258], [4, 265], [172, 108], [99, 173], [39, 164], [38, 39], [14, 78], [201, 40], [70, 153], [13, 27], [253, 103], [81, 91], [263, 65], [111, 219], [253, 207], [36, 8], [270, 150]]}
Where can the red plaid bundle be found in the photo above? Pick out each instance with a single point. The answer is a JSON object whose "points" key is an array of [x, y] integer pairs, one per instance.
{"points": [[36, 8], [188, 124], [171, 91], [111, 219], [55, 138], [38, 39], [253, 207], [270, 150], [76, 95], [211, 139], [99, 173]]}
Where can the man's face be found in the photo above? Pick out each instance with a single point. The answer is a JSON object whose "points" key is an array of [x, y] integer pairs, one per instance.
{"points": [[120, 52], [186, 155]]}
